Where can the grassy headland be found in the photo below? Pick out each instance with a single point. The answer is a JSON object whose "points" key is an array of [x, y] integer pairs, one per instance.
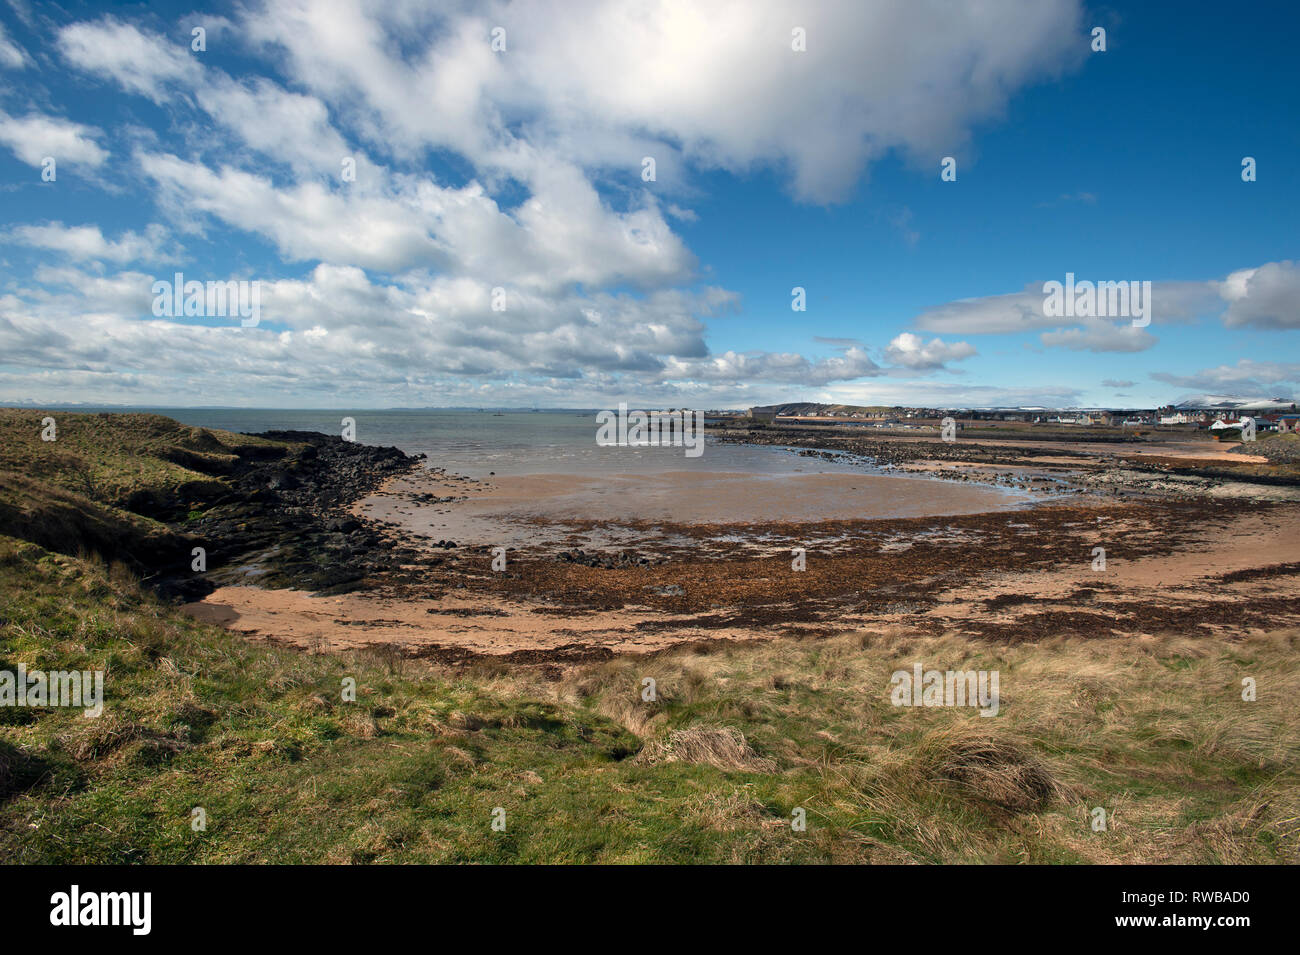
{"points": [[144, 490]]}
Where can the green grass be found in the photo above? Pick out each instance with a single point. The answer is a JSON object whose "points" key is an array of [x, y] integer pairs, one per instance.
{"points": [[286, 771], [108, 457], [106, 483]]}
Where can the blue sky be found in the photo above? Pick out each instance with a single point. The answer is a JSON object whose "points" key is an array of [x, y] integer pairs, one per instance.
{"points": [[519, 169]]}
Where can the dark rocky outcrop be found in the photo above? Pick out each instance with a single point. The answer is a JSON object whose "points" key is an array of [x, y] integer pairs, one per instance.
{"points": [[274, 514], [282, 520]]}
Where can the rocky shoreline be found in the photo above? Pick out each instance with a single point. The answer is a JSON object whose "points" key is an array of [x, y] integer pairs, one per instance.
{"points": [[1004, 576], [1104, 467], [280, 519], [283, 518]]}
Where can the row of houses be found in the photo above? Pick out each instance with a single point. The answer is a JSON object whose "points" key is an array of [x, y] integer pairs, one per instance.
{"points": [[1204, 412], [1269, 414], [1201, 420]]}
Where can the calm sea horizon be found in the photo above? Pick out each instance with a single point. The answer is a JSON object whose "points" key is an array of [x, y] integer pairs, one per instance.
{"points": [[504, 442]]}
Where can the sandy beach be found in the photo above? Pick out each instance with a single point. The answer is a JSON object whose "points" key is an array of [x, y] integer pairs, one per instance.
{"points": [[596, 566], [548, 509], [1159, 574]]}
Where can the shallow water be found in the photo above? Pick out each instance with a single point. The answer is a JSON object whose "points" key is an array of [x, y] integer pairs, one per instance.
{"points": [[547, 466], [595, 510], [511, 443]]}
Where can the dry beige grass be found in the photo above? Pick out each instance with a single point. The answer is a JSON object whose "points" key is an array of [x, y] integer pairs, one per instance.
{"points": [[988, 768], [722, 747], [1153, 730]]}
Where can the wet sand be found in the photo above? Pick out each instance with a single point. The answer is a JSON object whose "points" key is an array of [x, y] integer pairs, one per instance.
{"points": [[1198, 451], [998, 577], [545, 508]]}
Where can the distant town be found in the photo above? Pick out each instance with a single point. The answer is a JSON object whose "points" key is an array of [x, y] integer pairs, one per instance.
{"points": [[1198, 413]]}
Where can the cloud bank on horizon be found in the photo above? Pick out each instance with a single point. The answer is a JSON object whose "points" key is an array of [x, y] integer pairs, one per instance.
{"points": [[542, 202]]}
